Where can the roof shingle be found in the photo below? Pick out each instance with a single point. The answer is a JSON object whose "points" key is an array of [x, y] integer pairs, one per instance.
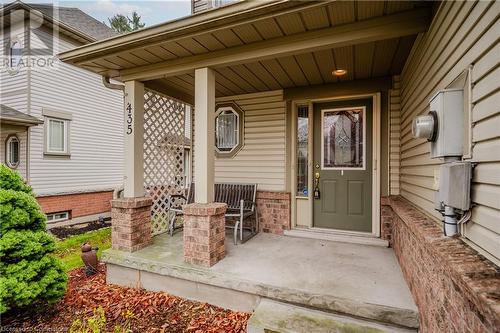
{"points": [[9, 115], [77, 19]]}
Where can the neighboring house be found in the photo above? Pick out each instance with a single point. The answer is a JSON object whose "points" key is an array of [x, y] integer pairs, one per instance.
{"points": [[314, 102], [60, 127]]}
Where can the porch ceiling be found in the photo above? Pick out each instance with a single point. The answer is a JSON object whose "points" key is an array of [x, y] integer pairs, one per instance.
{"points": [[256, 46], [362, 61]]}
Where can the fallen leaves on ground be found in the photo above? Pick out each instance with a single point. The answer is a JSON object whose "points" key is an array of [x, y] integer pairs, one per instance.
{"points": [[151, 311]]}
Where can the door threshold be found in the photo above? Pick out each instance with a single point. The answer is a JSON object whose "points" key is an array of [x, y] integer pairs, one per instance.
{"points": [[335, 236]]}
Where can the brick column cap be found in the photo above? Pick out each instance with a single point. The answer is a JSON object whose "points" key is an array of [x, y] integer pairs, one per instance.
{"points": [[209, 209], [131, 202]]}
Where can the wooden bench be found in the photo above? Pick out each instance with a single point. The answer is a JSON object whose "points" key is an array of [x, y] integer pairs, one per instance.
{"points": [[241, 205]]}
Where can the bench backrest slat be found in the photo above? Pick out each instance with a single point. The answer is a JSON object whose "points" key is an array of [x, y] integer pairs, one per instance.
{"points": [[231, 194]]}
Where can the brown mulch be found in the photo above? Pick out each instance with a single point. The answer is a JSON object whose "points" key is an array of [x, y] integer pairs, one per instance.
{"points": [[152, 311], [65, 232]]}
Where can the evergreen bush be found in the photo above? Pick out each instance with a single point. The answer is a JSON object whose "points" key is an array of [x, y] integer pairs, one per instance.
{"points": [[29, 274]]}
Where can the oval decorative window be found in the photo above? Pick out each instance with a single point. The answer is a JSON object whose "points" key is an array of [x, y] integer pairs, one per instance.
{"points": [[12, 151], [228, 129]]}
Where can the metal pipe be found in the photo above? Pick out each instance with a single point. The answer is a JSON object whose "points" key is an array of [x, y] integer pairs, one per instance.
{"points": [[106, 82], [450, 217], [450, 221]]}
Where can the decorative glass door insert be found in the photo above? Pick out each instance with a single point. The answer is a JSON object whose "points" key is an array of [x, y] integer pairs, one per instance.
{"points": [[342, 138]]}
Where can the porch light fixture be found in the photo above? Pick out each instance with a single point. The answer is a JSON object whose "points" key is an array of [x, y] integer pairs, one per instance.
{"points": [[339, 72]]}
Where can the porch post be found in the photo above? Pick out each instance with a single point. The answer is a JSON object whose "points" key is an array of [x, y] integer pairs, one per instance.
{"points": [[204, 220], [134, 137], [204, 141], [131, 215]]}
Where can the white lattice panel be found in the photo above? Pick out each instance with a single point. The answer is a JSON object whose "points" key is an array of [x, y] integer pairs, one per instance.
{"points": [[164, 149]]}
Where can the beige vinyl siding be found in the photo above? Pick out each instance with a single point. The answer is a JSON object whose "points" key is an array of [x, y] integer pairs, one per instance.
{"points": [[394, 132], [262, 158], [461, 34], [96, 133]]}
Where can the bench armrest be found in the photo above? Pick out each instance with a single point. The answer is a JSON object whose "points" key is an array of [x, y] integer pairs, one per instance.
{"points": [[254, 204], [176, 196]]}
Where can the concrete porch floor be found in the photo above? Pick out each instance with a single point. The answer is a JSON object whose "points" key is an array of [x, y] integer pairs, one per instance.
{"points": [[352, 279]]}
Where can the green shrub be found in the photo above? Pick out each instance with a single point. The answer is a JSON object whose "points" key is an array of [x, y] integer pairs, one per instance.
{"points": [[29, 274], [12, 180]]}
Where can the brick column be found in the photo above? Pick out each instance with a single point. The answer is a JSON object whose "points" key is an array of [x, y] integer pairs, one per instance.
{"points": [[131, 223], [204, 233], [274, 211]]}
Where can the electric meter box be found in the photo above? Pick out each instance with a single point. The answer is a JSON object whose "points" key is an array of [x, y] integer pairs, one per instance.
{"points": [[454, 185], [448, 108]]}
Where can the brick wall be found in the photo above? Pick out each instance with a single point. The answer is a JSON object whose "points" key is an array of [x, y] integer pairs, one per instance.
{"points": [[80, 204], [386, 219], [455, 288], [274, 211]]}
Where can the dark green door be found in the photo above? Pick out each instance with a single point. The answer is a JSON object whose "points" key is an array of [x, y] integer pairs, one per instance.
{"points": [[343, 165]]}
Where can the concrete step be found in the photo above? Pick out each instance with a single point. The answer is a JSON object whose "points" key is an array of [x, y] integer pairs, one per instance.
{"points": [[277, 317], [326, 235]]}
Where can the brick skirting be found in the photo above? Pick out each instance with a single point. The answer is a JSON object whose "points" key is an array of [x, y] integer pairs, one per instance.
{"points": [[274, 211], [455, 288], [79, 204]]}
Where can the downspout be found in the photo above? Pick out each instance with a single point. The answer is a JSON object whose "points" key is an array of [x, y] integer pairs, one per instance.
{"points": [[118, 191], [106, 82]]}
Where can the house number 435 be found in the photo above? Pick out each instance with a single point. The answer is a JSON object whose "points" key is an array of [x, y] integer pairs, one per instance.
{"points": [[130, 119]]}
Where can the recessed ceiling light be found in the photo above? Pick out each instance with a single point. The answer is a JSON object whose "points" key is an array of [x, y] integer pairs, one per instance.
{"points": [[339, 72]]}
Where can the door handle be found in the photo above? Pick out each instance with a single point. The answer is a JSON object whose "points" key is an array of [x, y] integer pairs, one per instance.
{"points": [[317, 193]]}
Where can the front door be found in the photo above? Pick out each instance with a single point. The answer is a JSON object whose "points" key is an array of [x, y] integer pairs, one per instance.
{"points": [[343, 165]]}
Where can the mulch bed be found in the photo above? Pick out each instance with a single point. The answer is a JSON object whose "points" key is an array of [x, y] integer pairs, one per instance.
{"points": [[152, 311], [64, 232]]}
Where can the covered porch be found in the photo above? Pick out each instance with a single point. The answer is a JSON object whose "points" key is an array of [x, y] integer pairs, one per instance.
{"points": [[349, 279], [269, 67], [276, 67]]}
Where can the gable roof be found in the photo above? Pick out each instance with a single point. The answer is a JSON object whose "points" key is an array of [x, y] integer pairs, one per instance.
{"points": [[78, 20], [71, 21]]}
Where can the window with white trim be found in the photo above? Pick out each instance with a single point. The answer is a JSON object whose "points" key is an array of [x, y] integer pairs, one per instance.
{"points": [[57, 217], [12, 151], [228, 129], [56, 140]]}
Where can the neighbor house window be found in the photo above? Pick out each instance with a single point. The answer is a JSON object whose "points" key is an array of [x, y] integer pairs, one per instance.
{"points": [[15, 54], [228, 129], [302, 147], [219, 3], [57, 131], [57, 217], [12, 151]]}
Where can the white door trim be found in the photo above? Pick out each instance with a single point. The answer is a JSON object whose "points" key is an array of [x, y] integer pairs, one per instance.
{"points": [[376, 156]]}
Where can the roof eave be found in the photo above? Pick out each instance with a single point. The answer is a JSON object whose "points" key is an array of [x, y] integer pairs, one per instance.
{"points": [[20, 122], [182, 27]]}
